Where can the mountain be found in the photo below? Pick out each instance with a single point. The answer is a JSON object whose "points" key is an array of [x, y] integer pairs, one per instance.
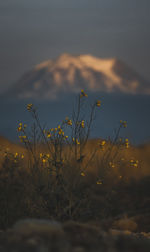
{"points": [[68, 74]]}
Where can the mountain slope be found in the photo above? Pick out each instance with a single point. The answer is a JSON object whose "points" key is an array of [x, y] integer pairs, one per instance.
{"points": [[69, 74]]}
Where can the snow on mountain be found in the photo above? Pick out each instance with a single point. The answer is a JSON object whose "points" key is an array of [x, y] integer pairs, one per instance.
{"points": [[68, 74]]}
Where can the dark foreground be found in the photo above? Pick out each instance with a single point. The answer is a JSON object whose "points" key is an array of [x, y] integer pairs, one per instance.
{"points": [[46, 236]]}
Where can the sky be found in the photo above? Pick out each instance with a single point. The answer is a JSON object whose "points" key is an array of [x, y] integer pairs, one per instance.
{"points": [[32, 31]]}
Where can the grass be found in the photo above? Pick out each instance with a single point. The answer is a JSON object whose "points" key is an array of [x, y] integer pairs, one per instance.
{"points": [[64, 175]]}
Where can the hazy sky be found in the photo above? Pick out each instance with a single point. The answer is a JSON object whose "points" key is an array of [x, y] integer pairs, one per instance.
{"points": [[35, 30]]}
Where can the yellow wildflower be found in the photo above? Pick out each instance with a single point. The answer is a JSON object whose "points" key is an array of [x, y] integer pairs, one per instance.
{"points": [[83, 94], [99, 182], [134, 162], [69, 122], [82, 174], [20, 128], [135, 165], [82, 124], [24, 137], [21, 139], [127, 143], [22, 156], [16, 155], [102, 143], [112, 165], [98, 103], [29, 106], [48, 134], [77, 142]]}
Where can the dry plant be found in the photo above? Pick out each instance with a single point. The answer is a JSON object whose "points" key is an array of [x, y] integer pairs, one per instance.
{"points": [[57, 179]]}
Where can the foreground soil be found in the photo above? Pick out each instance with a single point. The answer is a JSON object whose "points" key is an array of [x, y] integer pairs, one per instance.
{"points": [[46, 236]]}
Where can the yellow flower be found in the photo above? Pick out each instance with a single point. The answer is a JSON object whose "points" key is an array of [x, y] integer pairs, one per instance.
{"points": [[82, 124], [112, 165], [127, 143], [41, 155], [29, 106], [48, 155], [22, 156], [83, 94], [16, 155], [102, 144], [19, 128], [48, 134], [134, 162], [98, 103], [82, 174], [77, 142], [135, 165], [66, 137], [69, 122], [21, 139], [99, 182], [44, 160], [60, 132]]}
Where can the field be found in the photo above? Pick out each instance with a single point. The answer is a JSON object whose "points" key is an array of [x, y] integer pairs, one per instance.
{"points": [[98, 190]]}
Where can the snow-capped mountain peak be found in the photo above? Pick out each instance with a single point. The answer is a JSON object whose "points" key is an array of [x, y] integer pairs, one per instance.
{"points": [[69, 73]]}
